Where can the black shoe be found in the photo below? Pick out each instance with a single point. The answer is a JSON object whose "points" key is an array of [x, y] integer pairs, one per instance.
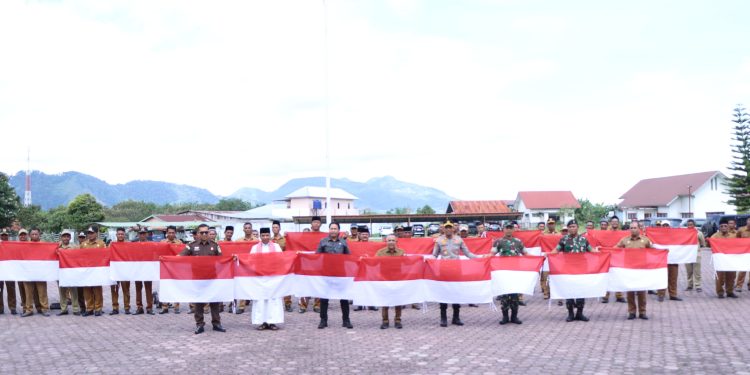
{"points": [[675, 299], [61, 313], [621, 300], [688, 288], [443, 322], [97, 313], [323, 323], [359, 308], [398, 325], [581, 317], [347, 324], [643, 316], [505, 319], [162, 312], [176, 311], [604, 300], [559, 303], [28, 313], [457, 322], [514, 316], [521, 303], [114, 312], [288, 308], [13, 312], [732, 295], [631, 316], [219, 328], [416, 307], [77, 313], [127, 312], [385, 325], [698, 290], [473, 305], [302, 311], [86, 313], [199, 330], [661, 298], [150, 312], [240, 311], [139, 311], [651, 292], [721, 296], [372, 308]]}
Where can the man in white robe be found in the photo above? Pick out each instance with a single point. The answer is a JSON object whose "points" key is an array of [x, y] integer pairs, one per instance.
{"points": [[267, 312]]}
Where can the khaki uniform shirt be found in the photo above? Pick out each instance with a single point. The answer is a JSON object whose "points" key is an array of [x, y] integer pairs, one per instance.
{"points": [[175, 241], [451, 248], [68, 246], [743, 233], [637, 242], [96, 244], [243, 239], [546, 232], [201, 248], [280, 240], [385, 253], [720, 235]]}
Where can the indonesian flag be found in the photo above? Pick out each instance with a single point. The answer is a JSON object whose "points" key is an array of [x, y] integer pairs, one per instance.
{"points": [[731, 254], [518, 274], [389, 281], [264, 275], [605, 238], [417, 246], [458, 280], [84, 267], [304, 241], [197, 279], [548, 243], [682, 243], [578, 275], [531, 240], [28, 261], [325, 275], [632, 270], [236, 247], [365, 249], [139, 261]]}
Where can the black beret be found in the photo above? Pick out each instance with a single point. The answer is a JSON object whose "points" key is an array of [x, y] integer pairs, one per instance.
{"points": [[572, 222]]}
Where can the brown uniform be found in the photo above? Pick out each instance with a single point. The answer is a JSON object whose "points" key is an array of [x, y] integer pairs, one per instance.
{"points": [[545, 274], [725, 279], [204, 248], [637, 242], [115, 291], [743, 232], [139, 286], [384, 252], [68, 293], [176, 305], [35, 292], [93, 294]]}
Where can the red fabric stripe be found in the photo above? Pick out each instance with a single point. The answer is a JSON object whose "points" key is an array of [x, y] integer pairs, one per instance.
{"points": [[265, 264], [142, 251], [417, 246], [730, 245], [369, 249], [672, 236], [391, 269], [522, 263], [196, 267], [478, 245], [304, 241], [16, 250], [530, 238], [578, 263], [636, 258], [231, 248], [78, 258], [335, 265], [606, 238], [549, 242], [457, 269]]}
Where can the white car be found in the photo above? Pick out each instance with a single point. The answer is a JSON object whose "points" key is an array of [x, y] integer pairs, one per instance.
{"points": [[386, 230]]}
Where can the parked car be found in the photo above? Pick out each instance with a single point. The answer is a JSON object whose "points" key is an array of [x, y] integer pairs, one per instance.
{"points": [[386, 230], [433, 228], [494, 227], [698, 222], [673, 222], [417, 230]]}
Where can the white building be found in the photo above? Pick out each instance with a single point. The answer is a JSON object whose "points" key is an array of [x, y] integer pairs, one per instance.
{"points": [[539, 206], [311, 201], [691, 195]]}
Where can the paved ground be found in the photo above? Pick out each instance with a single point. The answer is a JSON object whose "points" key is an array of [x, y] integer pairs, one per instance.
{"points": [[702, 334]]}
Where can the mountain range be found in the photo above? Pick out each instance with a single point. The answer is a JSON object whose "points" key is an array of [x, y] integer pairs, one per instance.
{"points": [[377, 194]]}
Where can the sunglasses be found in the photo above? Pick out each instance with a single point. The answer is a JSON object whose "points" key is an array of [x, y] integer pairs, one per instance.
{"points": [[203, 232]]}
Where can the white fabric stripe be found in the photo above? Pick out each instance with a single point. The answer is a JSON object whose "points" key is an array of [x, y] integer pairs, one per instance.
{"points": [[196, 291], [389, 293], [578, 286], [458, 291], [731, 262], [85, 276], [633, 280], [508, 282], [537, 250], [134, 271], [328, 287], [29, 270], [680, 254], [263, 287]]}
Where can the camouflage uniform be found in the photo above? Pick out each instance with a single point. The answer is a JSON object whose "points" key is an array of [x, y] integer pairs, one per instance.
{"points": [[574, 244], [509, 247]]}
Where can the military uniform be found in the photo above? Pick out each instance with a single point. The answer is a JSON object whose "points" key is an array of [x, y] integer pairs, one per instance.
{"points": [[574, 244], [68, 293], [693, 270], [637, 242], [544, 280], [204, 248], [725, 279], [93, 294], [743, 232], [450, 248], [384, 252], [165, 305], [509, 247], [333, 246], [115, 292]]}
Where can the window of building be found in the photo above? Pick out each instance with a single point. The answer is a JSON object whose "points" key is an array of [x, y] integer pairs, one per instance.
{"points": [[338, 205], [349, 206], [709, 214], [647, 215], [687, 215], [632, 216], [661, 214]]}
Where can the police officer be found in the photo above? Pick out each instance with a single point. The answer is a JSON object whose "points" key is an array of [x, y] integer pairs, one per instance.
{"points": [[574, 243], [93, 294], [333, 244], [635, 240], [448, 246], [505, 247], [204, 247]]}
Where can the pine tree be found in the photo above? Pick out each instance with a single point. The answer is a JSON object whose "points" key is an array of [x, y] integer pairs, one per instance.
{"points": [[738, 184]]}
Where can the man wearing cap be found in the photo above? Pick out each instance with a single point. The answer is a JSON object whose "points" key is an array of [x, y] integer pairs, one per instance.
{"points": [[228, 233], [315, 224], [463, 231], [267, 313], [364, 236], [390, 250], [509, 246], [67, 293], [725, 279], [672, 275], [93, 294], [551, 230], [399, 231], [139, 285], [10, 286], [204, 247], [333, 244], [574, 243], [171, 238], [124, 285], [614, 224], [694, 269], [448, 246], [36, 291], [353, 232], [636, 240]]}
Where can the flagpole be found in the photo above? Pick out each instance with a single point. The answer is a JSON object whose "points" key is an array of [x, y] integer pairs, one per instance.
{"points": [[328, 135]]}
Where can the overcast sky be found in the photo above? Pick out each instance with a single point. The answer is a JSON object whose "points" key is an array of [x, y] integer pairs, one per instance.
{"points": [[480, 99]]}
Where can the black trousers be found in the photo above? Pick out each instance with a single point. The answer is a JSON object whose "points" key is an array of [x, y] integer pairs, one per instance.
{"points": [[324, 309], [444, 308], [198, 313], [577, 303]]}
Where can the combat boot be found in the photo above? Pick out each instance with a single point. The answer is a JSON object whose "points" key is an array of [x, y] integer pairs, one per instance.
{"points": [[505, 317], [514, 316]]}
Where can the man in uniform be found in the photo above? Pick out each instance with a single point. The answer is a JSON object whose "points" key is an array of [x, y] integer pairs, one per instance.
{"points": [[672, 274], [543, 281], [333, 245], [364, 236], [390, 250], [574, 243], [353, 232], [448, 246], [614, 224], [171, 238], [139, 285], [725, 279], [743, 232], [36, 291], [228, 233], [481, 231], [247, 229], [603, 224], [636, 241], [93, 294], [281, 241], [508, 246], [732, 227], [204, 247], [315, 223], [67, 293], [408, 232], [694, 269], [589, 226], [10, 286], [540, 226], [124, 285]]}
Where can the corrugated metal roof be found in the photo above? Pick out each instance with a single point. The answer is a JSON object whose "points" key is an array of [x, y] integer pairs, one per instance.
{"points": [[654, 192], [540, 200], [477, 207]]}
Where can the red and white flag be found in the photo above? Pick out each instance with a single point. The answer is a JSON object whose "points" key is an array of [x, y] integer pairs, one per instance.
{"points": [[389, 281], [548, 243], [578, 275], [682, 243], [458, 280], [365, 249], [138, 261], [605, 238], [197, 279], [264, 275], [84, 267], [304, 241], [325, 275], [632, 270], [515, 274], [28, 261], [236, 247], [417, 246], [731, 254]]}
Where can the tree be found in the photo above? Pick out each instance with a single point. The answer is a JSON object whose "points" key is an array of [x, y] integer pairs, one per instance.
{"points": [[425, 210], [57, 219], [9, 202], [32, 217], [232, 204], [591, 212], [399, 211], [84, 210], [738, 183], [131, 210]]}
